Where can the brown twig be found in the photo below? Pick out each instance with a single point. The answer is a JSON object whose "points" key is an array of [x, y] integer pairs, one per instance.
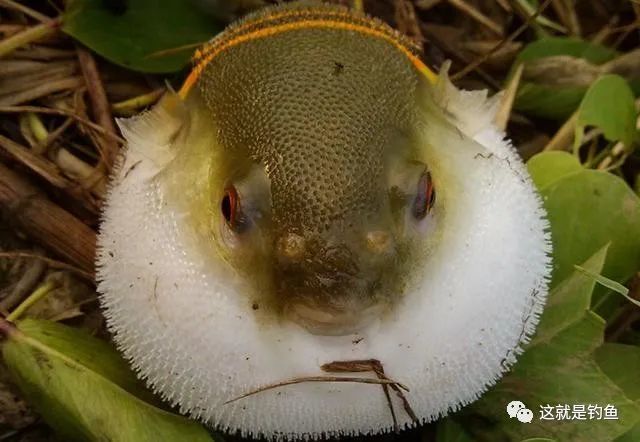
{"points": [[53, 263], [41, 90], [407, 21], [567, 15], [374, 365], [29, 35], [35, 162], [460, 74], [447, 46], [365, 366], [101, 107], [44, 53], [26, 11], [55, 134], [62, 112], [478, 16], [45, 222], [28, 281], [21, 75], [311, 379]]}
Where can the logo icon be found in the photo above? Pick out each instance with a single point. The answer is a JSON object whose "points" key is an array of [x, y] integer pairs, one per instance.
{"points": [[525, 415], [519, 410]]}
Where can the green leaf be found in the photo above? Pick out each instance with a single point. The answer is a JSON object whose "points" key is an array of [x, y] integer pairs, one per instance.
{"points": [[552, 166], [130, 32], [83, 389], [621, 363], [448, 430], [609, 106], [552, 46], [558, 367], [588, 209], [553, 101], [632, 435], [569, 300]]}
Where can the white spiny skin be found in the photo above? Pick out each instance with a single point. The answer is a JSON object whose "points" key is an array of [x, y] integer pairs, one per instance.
{"points": [[184, 325]]}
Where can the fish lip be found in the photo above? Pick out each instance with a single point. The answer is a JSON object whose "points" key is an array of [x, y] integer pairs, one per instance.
{"points": [[331, 322]]}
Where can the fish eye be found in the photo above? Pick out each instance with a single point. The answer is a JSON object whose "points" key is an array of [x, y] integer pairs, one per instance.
{"points": [[231, 208], [425, 196]]}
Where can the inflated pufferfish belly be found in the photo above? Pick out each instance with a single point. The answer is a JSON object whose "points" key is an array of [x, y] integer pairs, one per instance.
{"points": [[313, 194]]}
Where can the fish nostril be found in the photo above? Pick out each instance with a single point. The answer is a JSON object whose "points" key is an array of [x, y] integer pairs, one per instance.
{"points": [[291, 246], [378, 241]]}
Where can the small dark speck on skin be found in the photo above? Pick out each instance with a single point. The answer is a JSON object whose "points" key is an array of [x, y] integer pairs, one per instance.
{"points": [[337, 68], [150, 263], [255, 306], [175, 284], [247, 358], [111, 254], [131, 285], [357, 341], [133, 166]]}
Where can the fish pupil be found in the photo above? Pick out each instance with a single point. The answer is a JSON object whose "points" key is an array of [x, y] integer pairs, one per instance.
{"points": [[425, 198], [229, 205]]}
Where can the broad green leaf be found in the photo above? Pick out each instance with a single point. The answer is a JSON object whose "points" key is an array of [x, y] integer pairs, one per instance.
{"points": [[130, 32], [632, 435], [569, 300], [552, 166], [558, 367], [556, 102], [588, 209], [621, 363], [609, 106], [83, 389], [550, 102]]}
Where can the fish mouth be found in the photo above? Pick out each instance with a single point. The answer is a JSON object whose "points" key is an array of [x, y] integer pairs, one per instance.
{"points": [[321, 320]]}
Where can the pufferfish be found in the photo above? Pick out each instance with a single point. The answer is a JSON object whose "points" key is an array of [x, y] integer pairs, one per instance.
{"points": [[312, 202]]}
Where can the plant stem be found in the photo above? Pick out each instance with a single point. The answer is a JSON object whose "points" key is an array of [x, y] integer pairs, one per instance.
{"points": [[32, 34], [129, 107], [34, 297]]}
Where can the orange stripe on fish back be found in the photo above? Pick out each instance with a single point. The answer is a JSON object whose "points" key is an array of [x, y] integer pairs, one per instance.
{"points": [[276, 20]]}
